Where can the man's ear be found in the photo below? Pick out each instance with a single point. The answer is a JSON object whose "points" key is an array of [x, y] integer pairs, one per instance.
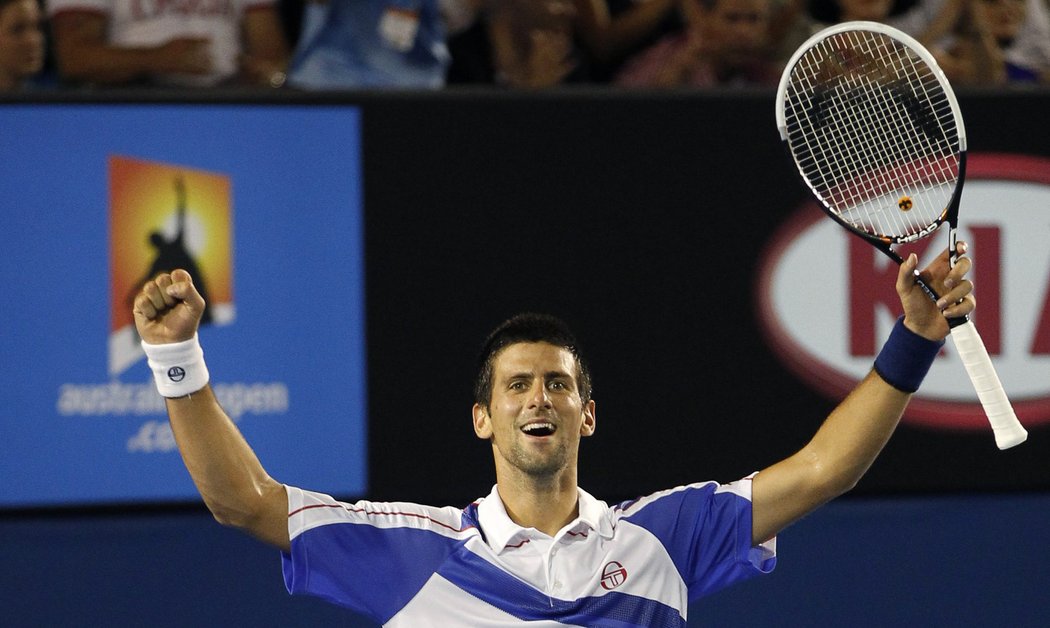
{"points": [[589, 424], [482, 424]]}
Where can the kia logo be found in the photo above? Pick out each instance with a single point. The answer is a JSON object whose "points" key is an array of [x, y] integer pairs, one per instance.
{"points": [[826, 299]]}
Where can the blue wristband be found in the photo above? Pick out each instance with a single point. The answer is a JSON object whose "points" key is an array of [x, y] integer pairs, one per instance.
{"points": [[906, 358]]}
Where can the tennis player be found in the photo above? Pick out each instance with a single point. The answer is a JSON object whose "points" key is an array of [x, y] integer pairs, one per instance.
{"points": [[537, 549]]}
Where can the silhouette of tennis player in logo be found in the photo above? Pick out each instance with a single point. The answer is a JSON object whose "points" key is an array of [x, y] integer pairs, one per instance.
{"points": [[172, 254]]}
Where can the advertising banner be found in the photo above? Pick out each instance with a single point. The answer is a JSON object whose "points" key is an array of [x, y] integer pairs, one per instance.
{"points": [[262, 205], [829, 332]]}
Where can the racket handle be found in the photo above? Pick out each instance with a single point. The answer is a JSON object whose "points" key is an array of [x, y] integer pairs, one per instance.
{"points": [[1008, 430]]}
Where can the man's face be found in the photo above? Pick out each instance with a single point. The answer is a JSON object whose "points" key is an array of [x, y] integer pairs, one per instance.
{"points": [[734, 30], [535, 417], [21, 39]]}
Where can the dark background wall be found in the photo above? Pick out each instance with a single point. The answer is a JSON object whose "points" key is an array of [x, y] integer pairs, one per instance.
{"points": [[639, 218]]}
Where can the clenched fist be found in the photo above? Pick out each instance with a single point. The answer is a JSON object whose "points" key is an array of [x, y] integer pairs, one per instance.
{"points": [[168, 309]]}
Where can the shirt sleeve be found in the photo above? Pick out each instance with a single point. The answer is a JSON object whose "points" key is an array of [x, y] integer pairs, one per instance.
{"points": [[372, 557], [706, 530]]}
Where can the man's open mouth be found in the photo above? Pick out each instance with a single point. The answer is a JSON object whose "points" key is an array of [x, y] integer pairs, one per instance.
{"points": [[541, 428]]}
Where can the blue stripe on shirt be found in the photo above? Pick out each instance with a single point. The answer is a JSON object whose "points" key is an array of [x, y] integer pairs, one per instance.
{"points": [[374, 571], [491, 584], [377, 572]]}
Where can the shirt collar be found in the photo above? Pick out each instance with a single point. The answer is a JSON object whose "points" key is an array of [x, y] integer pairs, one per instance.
{"points": [[500, 529]]}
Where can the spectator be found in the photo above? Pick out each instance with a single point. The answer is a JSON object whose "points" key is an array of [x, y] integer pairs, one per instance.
{"points": [[789, 27], [541, 43], [1028, 49], [925, 20], [976, 42], [723, 42], [533, 42], [126, 42], [21, 43], [372, 43], [995, 42]]}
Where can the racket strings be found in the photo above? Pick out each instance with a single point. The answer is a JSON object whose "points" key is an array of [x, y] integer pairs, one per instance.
{"points": [[865, 157], [873, 133], [890, 123]]}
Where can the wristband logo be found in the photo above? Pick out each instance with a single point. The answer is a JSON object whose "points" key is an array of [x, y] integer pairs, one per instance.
{"points": [[827, 299], [176, 374], [163, 217]]}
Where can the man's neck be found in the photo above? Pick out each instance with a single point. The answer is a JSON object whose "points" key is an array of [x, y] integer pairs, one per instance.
{"points": [[546, 506]]}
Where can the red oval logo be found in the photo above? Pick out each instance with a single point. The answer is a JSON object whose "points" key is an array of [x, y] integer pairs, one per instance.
{"points": [[827, 300]]}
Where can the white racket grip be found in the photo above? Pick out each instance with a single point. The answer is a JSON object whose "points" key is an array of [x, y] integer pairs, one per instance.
{"points": [[1008, 430]]}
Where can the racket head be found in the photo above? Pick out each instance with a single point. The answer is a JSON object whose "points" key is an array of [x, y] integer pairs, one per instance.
{"points": [[875, 130]]}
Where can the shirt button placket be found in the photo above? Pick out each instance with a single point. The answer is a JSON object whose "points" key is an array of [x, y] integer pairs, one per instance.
{"points": [[556, 584]]}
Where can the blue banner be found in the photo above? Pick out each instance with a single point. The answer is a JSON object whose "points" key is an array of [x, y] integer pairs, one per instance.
{"points": [[263, 203]]}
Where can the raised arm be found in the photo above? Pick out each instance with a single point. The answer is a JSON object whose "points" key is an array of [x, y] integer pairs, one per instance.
{"points": [[234, 485], [850, 438]]}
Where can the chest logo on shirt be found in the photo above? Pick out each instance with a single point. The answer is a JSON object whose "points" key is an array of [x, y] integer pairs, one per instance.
{"points": [[613, 575]]}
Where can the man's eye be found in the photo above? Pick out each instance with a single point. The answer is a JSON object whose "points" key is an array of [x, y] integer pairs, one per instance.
{"points": [[557, 385], [517, 385]]}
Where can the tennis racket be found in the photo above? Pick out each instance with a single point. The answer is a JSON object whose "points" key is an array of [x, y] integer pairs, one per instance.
{"points": [[875, 130]]}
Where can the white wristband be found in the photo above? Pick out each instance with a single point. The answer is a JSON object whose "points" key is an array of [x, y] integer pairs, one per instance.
{"points": [[178, 367]]}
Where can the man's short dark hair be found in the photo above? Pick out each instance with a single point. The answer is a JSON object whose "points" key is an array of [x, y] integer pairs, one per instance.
{"points": [[528, 327]]}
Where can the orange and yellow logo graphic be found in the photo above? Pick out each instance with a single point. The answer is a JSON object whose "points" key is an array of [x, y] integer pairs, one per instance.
{"points": [[163, 217]]}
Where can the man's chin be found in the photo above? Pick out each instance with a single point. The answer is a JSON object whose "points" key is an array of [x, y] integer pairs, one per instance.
{"points": [[540, 467]]}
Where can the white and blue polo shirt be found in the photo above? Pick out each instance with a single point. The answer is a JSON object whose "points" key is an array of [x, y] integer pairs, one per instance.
{"points": [[638, 563]]}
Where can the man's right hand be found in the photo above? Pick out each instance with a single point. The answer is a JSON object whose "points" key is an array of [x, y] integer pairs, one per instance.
{"points": [[168, 308]]}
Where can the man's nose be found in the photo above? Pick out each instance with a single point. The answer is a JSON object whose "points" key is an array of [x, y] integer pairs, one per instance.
{"points": [[540, 398]]}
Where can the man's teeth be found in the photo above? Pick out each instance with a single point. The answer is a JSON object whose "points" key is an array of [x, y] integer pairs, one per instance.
{"points": [[540, 428]]}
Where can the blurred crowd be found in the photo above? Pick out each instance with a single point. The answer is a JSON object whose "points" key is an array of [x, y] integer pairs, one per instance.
{"points": [[509, 44]]}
